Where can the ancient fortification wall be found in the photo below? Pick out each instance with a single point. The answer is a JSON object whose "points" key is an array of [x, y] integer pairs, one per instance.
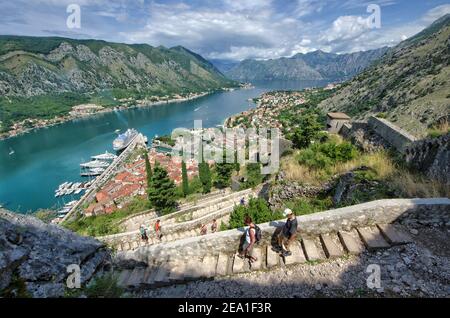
{"points": [[381, 211], [397, 137]]}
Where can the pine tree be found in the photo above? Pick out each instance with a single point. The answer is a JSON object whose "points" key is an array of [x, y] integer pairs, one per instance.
{"points": [[224, 171], [162, 193], [237, 166], [185, 178]]}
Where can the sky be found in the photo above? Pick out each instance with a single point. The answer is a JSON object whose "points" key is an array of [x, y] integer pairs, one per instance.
{"points": [[229, 29]]}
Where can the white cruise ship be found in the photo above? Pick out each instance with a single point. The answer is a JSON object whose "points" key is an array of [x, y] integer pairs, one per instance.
{"points": [[123, 140]]}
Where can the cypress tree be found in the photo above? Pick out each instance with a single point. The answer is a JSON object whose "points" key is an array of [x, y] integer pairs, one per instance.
{"points": [[148, 169], [185, 178], [224, 171], [162, 193]]}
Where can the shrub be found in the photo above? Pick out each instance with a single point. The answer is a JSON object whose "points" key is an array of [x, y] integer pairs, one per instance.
{"points": [[322, 156], [257, 209]]}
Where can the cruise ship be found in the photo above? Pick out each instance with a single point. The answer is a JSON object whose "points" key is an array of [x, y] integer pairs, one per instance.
{"points": [[123, 140]]}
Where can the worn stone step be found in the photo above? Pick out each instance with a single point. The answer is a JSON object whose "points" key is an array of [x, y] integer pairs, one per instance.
{"points": [[162, 274], [123, 277], [372, 238], [330, 245], [311, 250], [393, 234], [193, 269], [257, 265], [272, 257], [351, 242], [169, 238], [209, 266], [134, 245], [297, 255], [177, 272], [149, 275], [238, 264], [222, 265], [136, 278]]}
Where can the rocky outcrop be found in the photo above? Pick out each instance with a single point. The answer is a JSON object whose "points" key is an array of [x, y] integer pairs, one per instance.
{"points": [[36, 255], [432, 157]]}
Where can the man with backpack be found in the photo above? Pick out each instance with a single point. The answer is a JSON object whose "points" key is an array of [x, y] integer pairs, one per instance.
{"points": [[252, 236], [288, 233], [143, 232]]}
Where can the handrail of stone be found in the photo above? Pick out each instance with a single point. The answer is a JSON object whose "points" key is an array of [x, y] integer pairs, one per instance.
{"points": [[182, 207], [202, 205], [171, 228], [360, 215]]}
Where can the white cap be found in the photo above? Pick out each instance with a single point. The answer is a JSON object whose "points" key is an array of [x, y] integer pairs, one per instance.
{"points": [[287, 212]]}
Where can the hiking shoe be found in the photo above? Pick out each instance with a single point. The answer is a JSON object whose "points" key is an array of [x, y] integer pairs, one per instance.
{"points": [[277, 249], [286, 253]]}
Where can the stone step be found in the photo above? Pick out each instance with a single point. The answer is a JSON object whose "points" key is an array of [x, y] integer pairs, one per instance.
{"points": [[209, 265], [162, 274], [177, 272], [311, 250], [193, 269], [136, 278], [149, 275], [393, 234], [272, 257], [372, 238], [351, 242], [169, 238], [222, 265], [123, 277], [238, 264], [297, 256], [257, 265], [331, 245]]}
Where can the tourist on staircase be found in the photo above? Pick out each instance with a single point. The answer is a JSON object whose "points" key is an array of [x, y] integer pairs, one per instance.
{"points": [[242, 201], [214, 226], [288, 233], [143, 232], [203, 229], [250, 240], [158, 229]]}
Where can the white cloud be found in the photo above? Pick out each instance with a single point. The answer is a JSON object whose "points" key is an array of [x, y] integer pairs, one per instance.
{"points": [[435, 13]]}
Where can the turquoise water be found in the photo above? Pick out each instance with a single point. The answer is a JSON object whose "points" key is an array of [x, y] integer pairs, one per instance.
{"points": [[45, 158]]}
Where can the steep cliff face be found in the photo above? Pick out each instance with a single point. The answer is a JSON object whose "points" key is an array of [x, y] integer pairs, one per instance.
{"points": [[34, 256], [32, 66]]}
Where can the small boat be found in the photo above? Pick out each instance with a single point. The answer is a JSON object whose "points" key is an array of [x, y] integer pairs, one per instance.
{"points": [[11, 151], [95, 164], [105, 156]]}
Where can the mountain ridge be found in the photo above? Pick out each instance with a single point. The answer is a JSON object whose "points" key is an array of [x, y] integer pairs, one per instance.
{"points": [[409, 85], [316, 65]]}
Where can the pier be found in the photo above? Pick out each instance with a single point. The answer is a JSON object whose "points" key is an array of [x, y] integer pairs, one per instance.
{"points": [[106, 175]]}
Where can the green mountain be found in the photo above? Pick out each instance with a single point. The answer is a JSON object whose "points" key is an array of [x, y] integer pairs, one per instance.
{"points": [[317, 65], [31, 66], [41, 77], [410, 84]]}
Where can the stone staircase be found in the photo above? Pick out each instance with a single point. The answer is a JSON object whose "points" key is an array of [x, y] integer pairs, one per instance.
{"points": [[307, 250], [188, 224]]}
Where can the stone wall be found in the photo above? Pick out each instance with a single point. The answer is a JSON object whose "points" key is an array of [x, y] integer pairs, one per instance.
{"points": [[381, 211], [432, 157], [394, 135]]}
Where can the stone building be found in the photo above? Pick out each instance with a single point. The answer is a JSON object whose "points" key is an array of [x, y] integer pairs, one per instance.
{"points": [[335, 121]]}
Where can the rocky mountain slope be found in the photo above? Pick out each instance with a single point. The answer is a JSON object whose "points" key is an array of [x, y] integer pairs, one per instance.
{"points": [[410, 84], [316, 65], [34, 256], [31, 66]]}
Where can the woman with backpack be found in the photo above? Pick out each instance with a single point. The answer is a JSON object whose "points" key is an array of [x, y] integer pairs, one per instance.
{"points": [[250, 240]]}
